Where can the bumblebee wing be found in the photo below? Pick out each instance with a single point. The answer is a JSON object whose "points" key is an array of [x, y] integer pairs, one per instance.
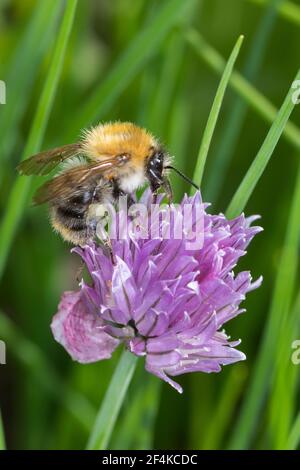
{"points": [[70, 181], [44, 162]]}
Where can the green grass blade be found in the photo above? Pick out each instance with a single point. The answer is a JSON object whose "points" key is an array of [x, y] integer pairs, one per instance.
{"points": [[179, 139], [20, 190], [172, 61], [112, 402], [32, 358], [31, 49], [280, 306], [236, 116], [261, 160], [129, 64], [2, 438], [172, 64], [294, 436], [137, 428], [283, 388], [256, 100], [293, 439], [214, 113], [220, 420], [287, 10]]}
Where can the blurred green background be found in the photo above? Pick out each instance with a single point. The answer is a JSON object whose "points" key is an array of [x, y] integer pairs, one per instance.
{"points": [[157, 63]]}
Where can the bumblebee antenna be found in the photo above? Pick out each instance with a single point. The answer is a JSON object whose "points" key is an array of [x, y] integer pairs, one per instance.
{"points": [[186, 178]]}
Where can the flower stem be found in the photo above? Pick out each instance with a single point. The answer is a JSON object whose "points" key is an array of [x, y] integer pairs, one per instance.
{"points": [[195, 39], [112, 402]]}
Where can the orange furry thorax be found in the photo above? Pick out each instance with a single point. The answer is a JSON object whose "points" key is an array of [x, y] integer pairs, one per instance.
{"points": [[107, 140]]}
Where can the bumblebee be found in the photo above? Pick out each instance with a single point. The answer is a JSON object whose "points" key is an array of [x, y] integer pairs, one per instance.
{"points": [[109, 160]]}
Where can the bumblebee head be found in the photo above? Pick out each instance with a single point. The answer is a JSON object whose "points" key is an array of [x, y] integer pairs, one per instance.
{"points": [[155, 165], [157, 169]]}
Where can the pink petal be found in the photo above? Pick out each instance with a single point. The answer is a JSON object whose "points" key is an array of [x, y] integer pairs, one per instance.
{"points": [[80, 330]]}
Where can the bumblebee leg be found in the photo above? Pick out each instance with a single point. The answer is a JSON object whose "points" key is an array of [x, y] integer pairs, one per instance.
{"points": [[130, 199], [97, 224], [108, 247], [154, 196], [155, 184], [168, 188]]}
